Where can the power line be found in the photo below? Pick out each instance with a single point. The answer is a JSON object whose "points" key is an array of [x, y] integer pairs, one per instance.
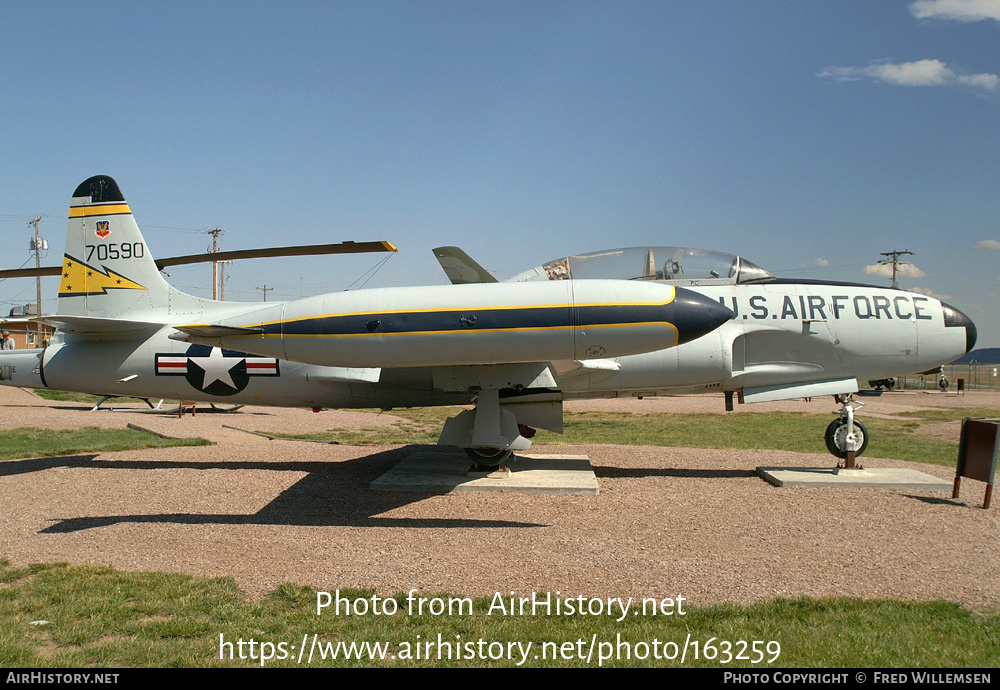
{"points": [[895, 254]]}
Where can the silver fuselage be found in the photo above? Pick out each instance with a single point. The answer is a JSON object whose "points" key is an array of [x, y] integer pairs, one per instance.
{"points": [[779, 335]]}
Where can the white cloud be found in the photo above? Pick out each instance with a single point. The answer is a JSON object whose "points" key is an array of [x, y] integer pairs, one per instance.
{"points": [[821, 262], [929, 293], [990, 82], [987, 245], [957, 10], [918, 73], [903, 270]]}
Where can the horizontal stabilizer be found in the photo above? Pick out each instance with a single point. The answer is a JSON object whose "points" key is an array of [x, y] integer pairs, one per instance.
{"points": [[91, 325]]}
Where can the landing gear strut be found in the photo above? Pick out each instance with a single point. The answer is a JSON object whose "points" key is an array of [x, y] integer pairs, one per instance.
{"points": [[846, 433]]}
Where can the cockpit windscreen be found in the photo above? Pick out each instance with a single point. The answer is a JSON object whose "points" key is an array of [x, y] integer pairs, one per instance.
{"points": [[674, 264]]}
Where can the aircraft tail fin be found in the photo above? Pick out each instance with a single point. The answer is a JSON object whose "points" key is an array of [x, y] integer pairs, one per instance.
{"points": [[107, 270]]}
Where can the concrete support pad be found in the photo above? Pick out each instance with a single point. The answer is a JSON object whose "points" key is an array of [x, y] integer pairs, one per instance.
{"points": [[871, 478], [529, 473]]}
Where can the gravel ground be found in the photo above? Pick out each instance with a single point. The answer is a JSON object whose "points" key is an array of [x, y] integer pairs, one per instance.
{"points": [[668, 521]]}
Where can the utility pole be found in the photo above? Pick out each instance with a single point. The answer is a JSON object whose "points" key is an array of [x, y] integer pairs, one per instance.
{"points": [[265, 290], [215, 264], [222, 280], [895, 254], [37, 246]]}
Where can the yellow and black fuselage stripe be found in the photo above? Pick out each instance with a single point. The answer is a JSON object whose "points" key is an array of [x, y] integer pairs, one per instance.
{"points": [[474, 320]]}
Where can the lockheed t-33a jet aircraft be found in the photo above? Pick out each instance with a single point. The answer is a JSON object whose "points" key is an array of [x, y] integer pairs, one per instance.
{"points": [[122, 330], [629, 322]]}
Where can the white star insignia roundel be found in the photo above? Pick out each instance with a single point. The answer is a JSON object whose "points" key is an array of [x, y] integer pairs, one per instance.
{"points": [[215, 371]]}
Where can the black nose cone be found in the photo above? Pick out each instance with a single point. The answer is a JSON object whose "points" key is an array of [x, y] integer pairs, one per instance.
{"points": [[695, 315], [953, 318]]}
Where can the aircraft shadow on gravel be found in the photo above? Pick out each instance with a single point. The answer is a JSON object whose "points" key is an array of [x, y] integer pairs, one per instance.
{"points": [[327, 496]]}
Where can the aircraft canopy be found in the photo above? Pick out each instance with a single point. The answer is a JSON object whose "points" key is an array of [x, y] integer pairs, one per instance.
{"points": [[674, 264]]}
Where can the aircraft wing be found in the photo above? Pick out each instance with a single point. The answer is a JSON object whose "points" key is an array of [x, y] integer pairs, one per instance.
{"points": [[301, 250], [461, 268], [588, 365], [809, 389], [31, 272]]}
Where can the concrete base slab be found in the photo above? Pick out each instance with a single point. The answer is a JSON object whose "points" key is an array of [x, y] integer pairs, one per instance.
{"points": [[870, 478], [525, 473]]}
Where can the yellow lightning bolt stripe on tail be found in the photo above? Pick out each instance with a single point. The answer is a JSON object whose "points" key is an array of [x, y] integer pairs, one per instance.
{"points": [[80, 279]]}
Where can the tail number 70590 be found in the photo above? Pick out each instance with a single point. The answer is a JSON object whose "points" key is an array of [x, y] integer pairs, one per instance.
{"points": [[113, 250]]}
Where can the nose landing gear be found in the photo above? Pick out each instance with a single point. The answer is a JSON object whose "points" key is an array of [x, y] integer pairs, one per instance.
{"points": [[845, 433]]}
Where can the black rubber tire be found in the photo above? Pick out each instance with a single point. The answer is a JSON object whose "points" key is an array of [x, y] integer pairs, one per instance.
{"points": [[836, 432], [488, 458]]}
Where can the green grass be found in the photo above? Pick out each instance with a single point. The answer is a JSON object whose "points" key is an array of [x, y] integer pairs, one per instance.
{"points": [[951, 414], [70, 396], [791, 431], [42, 443], [101, 617], [419, 425]]}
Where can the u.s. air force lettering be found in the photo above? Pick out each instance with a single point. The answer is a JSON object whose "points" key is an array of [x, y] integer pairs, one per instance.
{"points": [[816, 307], [215, 371]]}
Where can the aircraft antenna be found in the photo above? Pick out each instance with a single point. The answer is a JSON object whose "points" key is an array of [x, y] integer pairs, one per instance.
{"points": [[894, 260]]}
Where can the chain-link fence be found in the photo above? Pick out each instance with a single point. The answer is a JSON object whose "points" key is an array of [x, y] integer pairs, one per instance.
{"points": [[974, 376]]}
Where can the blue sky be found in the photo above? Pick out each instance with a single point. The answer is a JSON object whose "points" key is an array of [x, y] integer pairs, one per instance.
{"points": [[807, 136]]}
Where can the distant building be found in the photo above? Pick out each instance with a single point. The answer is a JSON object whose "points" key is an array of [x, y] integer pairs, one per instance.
{"points": [[25, 336]]}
